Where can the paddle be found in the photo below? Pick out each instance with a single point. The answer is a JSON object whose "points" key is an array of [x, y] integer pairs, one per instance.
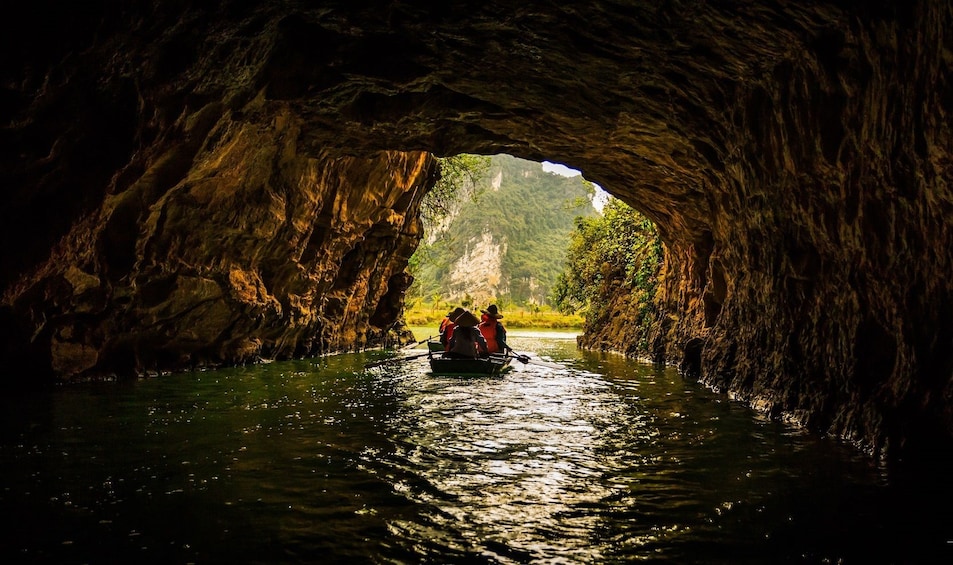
{"points": [[412, 345], [525, 359], [394, 360]]}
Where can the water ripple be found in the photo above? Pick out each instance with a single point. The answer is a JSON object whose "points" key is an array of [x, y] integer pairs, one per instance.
{"points": [[600, 461]]}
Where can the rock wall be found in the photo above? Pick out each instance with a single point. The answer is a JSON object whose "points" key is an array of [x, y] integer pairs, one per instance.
{"points": [[795, 157], [821, 294], [255, 251]]}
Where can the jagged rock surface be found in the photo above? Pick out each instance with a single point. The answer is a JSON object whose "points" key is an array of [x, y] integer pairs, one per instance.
{"points": [[254, 251], [794, 155]]}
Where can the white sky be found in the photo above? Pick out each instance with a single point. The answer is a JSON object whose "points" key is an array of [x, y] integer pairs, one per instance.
{"points": [[559, 169], [601, 196]]}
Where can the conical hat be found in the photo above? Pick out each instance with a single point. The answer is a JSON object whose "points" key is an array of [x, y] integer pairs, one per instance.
{"points": [[467, 320], [493, 312]]}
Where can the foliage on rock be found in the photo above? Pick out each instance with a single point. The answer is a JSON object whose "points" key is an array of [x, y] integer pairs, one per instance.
{"points": [[616, 254], [459, 182]]}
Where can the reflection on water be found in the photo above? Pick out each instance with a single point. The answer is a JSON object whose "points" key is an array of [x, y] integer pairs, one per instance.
{"points": [[601, 461]]}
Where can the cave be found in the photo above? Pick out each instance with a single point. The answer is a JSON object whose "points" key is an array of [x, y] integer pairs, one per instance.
{"points": [[192, 183]]}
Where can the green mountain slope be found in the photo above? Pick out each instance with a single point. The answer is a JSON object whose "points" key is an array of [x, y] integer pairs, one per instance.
{"points": [[510, 244]]}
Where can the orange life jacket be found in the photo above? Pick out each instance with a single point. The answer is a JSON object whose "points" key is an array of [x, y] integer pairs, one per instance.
{"points": [[488, 329]]}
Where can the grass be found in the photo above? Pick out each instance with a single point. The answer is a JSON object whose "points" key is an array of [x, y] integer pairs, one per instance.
{"points": [[523, 318]]}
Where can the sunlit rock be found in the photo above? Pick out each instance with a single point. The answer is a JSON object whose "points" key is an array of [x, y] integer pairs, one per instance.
{"points": [[189, 184]]}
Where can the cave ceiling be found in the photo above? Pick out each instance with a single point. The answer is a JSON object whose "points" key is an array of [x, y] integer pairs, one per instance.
{"points": [[795, 157], [655, 101]]}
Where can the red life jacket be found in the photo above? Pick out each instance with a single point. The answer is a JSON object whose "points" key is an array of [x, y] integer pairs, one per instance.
{"points": [[488, 329], [448, 333]]}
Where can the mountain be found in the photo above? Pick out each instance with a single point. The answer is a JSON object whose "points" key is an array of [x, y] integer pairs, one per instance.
{"points": [[510, 243]]}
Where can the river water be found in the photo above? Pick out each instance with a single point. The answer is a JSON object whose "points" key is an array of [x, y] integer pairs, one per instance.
{"points": [[603, 460]]}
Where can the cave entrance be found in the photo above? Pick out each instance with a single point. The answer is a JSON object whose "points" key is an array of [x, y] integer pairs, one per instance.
{"points": [[508, 231]]}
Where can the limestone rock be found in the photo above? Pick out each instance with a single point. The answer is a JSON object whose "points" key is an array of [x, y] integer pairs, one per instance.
{"points": [[256, 251], [205, 182]]}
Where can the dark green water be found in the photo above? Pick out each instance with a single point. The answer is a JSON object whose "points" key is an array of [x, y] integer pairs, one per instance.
{"points": [[605, 461]]}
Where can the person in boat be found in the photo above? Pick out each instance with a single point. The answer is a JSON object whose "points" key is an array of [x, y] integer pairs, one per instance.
{"points": [[447, 325], [466, 340], [493, 331], [445, 322]]}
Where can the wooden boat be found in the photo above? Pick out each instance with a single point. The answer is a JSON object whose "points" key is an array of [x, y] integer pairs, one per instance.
{"points": [[490, 366], [435, 346]]}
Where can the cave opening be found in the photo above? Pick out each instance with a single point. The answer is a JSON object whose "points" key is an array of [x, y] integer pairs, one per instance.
{"points": [[795, 161], [497, 230]]}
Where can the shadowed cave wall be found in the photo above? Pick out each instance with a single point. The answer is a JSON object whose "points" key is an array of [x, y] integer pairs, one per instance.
{"points": [[191, 183]]}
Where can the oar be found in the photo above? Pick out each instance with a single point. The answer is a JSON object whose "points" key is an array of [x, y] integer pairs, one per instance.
{"points": [[394, 360], [524, 359], [413, 345], [542, 363]]}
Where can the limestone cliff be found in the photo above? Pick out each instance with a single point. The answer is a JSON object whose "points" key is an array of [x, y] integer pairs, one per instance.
{"points": [[507, 244], [794, 155]]}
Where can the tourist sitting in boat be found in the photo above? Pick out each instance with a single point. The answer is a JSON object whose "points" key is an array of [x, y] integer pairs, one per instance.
{"points": [[466, 340], [447, 325], [492, 329]]}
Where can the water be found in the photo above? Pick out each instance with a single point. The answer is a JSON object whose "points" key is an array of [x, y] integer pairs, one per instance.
{"points": [[603, 461]]}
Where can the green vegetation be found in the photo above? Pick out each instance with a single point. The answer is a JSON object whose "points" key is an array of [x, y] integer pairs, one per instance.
{"points": [[558, 263], [618, 250], [460, 177], [425, 315], [516, 218]]}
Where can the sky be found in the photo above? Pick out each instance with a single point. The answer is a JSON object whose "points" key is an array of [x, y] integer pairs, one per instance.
{"points": [[601, 196], [559, 169]]}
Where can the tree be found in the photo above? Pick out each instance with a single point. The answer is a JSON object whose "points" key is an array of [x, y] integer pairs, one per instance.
{"points": [[459, 181], [621, 245]]}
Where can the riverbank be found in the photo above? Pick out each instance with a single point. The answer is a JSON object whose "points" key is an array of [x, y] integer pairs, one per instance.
{"points": [[516, 318]]}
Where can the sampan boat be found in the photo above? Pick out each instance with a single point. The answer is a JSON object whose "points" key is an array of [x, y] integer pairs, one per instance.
{"points": [[493, 365]]}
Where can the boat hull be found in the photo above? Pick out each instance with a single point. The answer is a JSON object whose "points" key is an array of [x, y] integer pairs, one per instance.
{"points": [[483, 367]]}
